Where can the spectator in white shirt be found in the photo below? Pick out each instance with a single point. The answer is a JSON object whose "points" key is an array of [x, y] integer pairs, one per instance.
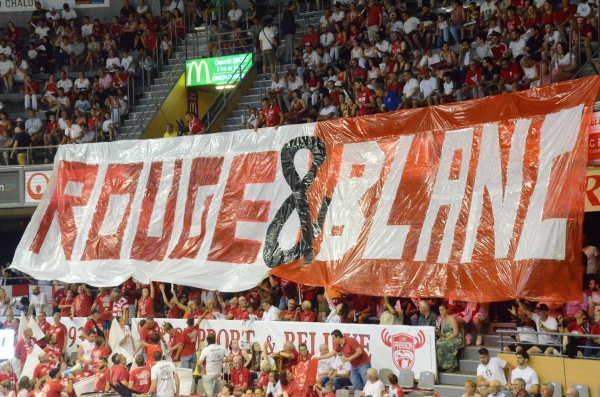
{"points": [[546, 326], [271, 313], [374, 386], [328, 111], [325, 366], [235, 14], [525, 372], [42, 30], [86, 28], [6, 73], [37, 301], [277, 90], [327, 39], [68, 13], [127, 62]]}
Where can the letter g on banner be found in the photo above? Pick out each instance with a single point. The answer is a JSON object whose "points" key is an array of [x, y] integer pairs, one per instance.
{"points": [[273, 255]]}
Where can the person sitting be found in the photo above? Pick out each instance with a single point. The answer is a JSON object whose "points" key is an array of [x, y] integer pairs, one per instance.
{"points": [[546, 325], [531, 382], [374, 387], [448, 342], [471, 389], [593, 341], [519, 389], [491, 369]]}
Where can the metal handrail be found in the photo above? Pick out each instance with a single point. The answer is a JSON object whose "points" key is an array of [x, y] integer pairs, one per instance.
{"points": [[178, 69], [558, 334], [221, 99], [29, 149]]}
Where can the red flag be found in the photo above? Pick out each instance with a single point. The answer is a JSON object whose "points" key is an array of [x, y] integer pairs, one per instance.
{"points": [[305, 373]]}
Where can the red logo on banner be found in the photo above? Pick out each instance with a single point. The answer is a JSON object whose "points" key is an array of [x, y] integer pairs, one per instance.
{"points": [[36, 185], [403, 348]]}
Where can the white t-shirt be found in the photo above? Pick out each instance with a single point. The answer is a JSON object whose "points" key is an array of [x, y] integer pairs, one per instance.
{"points": [[411, 24], [327, 39], [20, 76], [235, 15], [112, 63], [428, 86], [545, 338], [37, 300], [271, 315], [517, 47], [81, 84], [71, 14], [337, 17], [397, 26], [42, 32], [266, 37], [592, 264], [74, 132], [312, 59], [374, 389], [493, 370], [279, 86], [275, 389], [527, 374], [382, 47], [448, 88], [325, 365], [583, 9], [164, 372], [428, 61], [326, 110], [212, 356], [487, 9], [87, 30], [65, 84], [127, 64], [297, 84], [409, 86], [340, 366]]}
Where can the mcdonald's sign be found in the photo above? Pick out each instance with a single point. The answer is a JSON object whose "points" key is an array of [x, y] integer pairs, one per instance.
{"points": [[218, 70]]}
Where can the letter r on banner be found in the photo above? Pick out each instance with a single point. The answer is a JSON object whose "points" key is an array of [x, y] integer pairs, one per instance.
{"points": [[74, 185], [360, 169]]}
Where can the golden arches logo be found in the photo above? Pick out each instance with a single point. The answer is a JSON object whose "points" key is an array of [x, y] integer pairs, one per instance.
{"points": [[197, 66]]}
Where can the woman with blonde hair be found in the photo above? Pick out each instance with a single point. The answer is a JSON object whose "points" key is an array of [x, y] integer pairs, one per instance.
{"points": [[471, 389]]}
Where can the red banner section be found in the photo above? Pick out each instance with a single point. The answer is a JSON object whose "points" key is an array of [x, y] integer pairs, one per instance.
{"points": [[480, 200]]}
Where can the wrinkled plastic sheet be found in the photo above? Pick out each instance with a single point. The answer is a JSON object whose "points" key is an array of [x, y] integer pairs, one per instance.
{"points": [[480, 200]]}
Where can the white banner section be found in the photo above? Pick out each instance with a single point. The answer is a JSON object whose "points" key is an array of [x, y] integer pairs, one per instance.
{"points": [[396, 347]]}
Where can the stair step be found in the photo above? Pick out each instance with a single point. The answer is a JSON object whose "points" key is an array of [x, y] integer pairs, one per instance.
{"points": [[454, 378], [469, 365], [449, 390], [470, 352]]}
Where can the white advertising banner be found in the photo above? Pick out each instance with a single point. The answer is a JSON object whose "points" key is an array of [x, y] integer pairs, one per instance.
{"points": [[397, 347], [29, 5]]}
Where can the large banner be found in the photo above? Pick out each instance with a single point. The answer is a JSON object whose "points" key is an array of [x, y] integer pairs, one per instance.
{"points": [[397, 347], [481, 200], [29, 5]]}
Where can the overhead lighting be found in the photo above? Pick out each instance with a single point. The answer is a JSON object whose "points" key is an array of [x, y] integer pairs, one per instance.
{"points": [[225, 87]]}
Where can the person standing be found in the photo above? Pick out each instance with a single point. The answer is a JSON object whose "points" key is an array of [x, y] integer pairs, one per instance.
{"points": [[212, 358], [165, 381], [288, 30], [352, 352], [53, 388], [194, 124]]}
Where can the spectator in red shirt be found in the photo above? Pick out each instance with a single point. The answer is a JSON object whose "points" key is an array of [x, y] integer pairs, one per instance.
{"points": [[44, 326], [289, 385], [102, 376], [150, 328], [194, 124], [52, 349], [510, 75], [307, 314], [240, 377], [242, 312], [153, 348], [365, 98], [25, 345], [472, 87], [561, 17], [59, 330], [120, 306], [310, 37], [593, 342], [189, 338], [53, 388], [356, 72], [589, 37], [118, 372], [94, 323], [99, 351], [175, 343], [291, 313], [44, 367], [303, 355], [271, 115], [174, 311], [374, 20], [82, 304], [362, 308], [353, 352], [146, 302], [289, 354], [139, 378]]}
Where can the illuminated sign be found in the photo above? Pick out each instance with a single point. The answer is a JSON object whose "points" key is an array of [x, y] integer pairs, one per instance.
{"points": [[219, 70]]}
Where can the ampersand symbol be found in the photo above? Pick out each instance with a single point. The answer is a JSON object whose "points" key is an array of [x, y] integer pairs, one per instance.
{"points": [[270, 347], [272, 253]]}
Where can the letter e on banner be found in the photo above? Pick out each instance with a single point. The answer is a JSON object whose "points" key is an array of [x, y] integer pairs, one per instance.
{"points": [[74, 184], [245, 169]]}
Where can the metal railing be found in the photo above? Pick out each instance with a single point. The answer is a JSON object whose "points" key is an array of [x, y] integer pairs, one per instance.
{"points": [[29, 151], [221, 100], [558, 346], [225, 44]]}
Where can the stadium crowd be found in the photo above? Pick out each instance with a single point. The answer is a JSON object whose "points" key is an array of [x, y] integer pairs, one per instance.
{"points": [[366, 57]]}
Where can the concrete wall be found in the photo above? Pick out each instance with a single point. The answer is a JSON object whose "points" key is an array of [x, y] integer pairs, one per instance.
{"points": [[105, 14]]}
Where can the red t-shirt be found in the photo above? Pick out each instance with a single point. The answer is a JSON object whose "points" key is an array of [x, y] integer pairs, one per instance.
{"points": [[98, 353], [349, 349], [54, 352], [512, 23], [89, 325], [145, 307], [473, 77], [358, 73], [195, 126], [174, 340], [518, 4], [46, 330], [52, 388], [150, 354], [118, 374], [587, 28], [60, 294], [140, 377], [23, 348], [231, 310], [308, 293], [189, 337], [60, 332], [291, 313], [583, 328], [307, 317], [365, 97], [102, 378], [396, 48], [287, 363], [174, 312], [42, 370], [271, 115], [104, 303], [129, 291], [510, 73], [498, 50], [312, 39], [562, 15], [146, 333], [83, 305], [361, 302], [293, 389], [239, 377], [373, 15], [263, 380]]}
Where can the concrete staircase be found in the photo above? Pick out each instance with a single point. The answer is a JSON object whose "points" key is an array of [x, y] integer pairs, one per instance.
{"points": [[452, 384]]}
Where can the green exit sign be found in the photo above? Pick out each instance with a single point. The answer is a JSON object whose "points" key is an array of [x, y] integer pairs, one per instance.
{"points": [[219, 70]]}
